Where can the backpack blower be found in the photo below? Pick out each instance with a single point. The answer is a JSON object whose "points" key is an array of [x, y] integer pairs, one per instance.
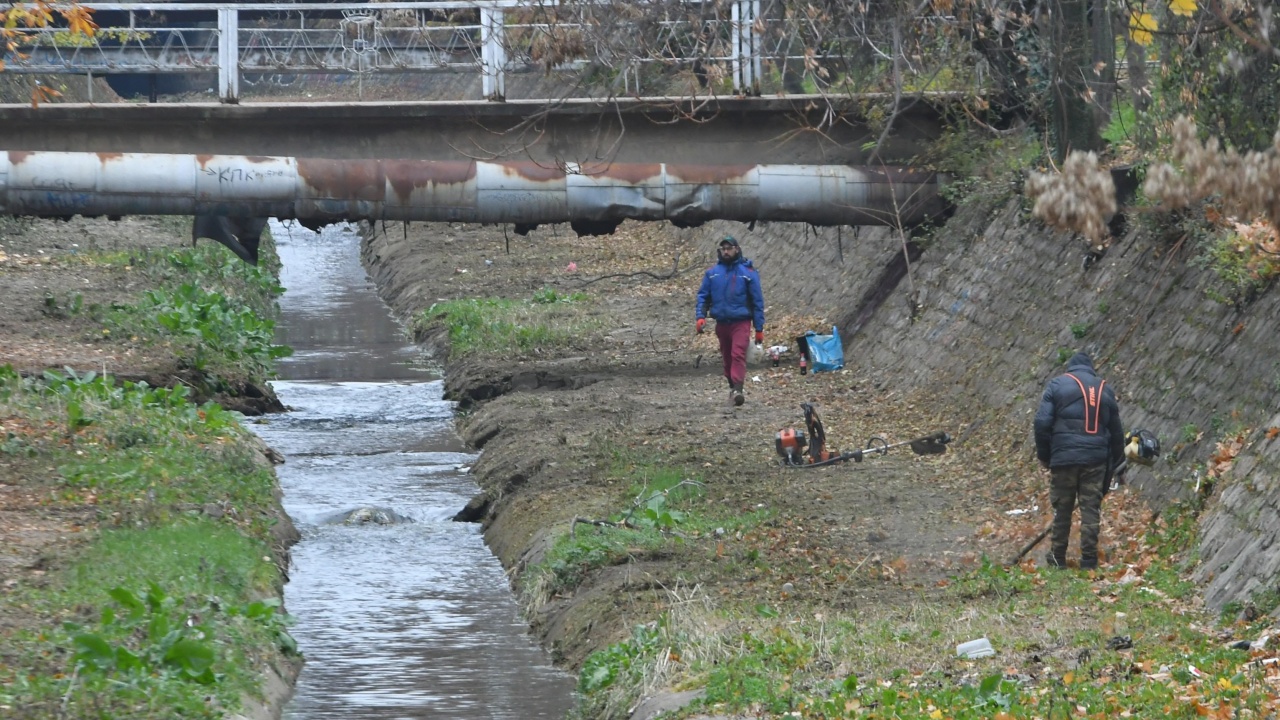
{"points": [[791, 444]]}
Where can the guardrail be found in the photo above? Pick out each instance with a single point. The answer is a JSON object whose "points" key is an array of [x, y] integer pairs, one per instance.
{"points": [[491, 38]]}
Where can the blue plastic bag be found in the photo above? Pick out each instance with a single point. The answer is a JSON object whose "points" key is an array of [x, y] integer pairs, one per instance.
{"points": [[825, 352]]}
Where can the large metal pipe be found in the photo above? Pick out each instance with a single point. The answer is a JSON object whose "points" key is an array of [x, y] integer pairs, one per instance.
{"points": [[58, 184]]}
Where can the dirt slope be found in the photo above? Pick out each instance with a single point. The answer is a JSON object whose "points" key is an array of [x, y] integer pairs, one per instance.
{"points": [[646, 384]]}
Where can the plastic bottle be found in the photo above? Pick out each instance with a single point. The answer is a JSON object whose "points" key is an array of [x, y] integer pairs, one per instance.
{"points": [[804, 366]]}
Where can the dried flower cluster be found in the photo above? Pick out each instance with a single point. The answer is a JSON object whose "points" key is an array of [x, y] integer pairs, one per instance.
{"points": [[1082, 198], [1248, 185]]}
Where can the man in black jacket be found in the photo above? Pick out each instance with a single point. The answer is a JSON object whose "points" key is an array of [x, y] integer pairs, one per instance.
{"points": [[1080, 439]]}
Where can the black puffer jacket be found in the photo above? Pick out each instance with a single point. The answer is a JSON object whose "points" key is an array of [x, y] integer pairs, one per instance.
{"points": [[1064, 435]]}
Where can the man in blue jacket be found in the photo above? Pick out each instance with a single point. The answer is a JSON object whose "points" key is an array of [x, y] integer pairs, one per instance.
{"points": [[731, 294], [1079, 438]]}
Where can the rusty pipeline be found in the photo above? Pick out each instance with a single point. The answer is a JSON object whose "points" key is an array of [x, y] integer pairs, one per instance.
{"points": [[60, 184]]}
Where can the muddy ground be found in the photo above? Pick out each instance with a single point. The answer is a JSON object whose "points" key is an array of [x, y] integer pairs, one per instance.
{"points": [[644, 387]]}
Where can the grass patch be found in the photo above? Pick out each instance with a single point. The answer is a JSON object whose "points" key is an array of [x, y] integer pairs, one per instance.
{"points": [[158, 610], [664, 510], [155, 623], [547, 323], [1133, 643]]}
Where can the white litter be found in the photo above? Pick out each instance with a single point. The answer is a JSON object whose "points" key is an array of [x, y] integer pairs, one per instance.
{"points": [[979, 648]]}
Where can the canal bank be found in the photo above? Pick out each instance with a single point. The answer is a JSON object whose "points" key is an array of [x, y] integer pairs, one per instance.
{"points": [[143, 548], [867, 571]]}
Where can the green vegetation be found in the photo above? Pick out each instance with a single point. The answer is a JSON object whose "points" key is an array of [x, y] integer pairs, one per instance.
{"points": [[982, 167], [1244, 263], [162, 610], [161, 599], [1067, 644], [666, 509], [548, 322], [215, 312], [1190, 433], [1079, 330]]}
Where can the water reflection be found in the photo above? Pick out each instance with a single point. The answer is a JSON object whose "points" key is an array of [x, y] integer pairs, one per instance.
{"points": [[408, 620]]}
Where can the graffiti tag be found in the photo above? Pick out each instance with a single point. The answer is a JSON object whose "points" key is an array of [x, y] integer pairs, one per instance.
{"points": [[235, 174], [52, 184]]}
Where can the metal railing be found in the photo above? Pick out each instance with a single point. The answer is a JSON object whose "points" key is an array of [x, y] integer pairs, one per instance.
{"points": [[743, 47]]}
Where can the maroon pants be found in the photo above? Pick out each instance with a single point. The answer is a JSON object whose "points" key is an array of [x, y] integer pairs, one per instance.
{"points": [[734, 337]]}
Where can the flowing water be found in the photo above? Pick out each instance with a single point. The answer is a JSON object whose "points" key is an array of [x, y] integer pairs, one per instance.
{"points": [[411, 619]]}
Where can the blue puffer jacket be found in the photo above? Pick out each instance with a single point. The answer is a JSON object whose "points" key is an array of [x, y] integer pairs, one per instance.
{"points": [[731, 291], [1069, 433]]}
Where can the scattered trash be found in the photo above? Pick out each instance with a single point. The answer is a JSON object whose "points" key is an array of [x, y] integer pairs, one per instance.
{"points": [[571, 267], [1120, 642], [974, 649], [1195, 671], [825, 352], [1239, 645], [756, 378], [776, 352], [1022, 511]]}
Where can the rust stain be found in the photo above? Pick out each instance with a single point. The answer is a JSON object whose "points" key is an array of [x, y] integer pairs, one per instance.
{"points": [[344, 179], [531, 170], [711, 174], [258, 159], [634, 173], [106, 157], [203, 160], [405, 176], [16, 157]]}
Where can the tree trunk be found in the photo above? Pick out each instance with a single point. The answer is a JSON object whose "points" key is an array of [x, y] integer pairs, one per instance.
{"points": [[1075, 127]]}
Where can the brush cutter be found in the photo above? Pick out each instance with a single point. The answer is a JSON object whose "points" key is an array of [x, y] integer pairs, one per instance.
{"points": [[791, 444]]}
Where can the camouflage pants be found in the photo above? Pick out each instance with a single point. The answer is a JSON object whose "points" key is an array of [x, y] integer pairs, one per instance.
{"points": [[1070, 485]]}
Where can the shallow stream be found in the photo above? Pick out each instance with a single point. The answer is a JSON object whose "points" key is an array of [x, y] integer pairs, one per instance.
{"points": [[411, 618]]}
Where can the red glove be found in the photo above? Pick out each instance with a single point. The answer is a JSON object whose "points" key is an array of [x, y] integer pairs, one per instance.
{"points": [[701, 323], [759, 337]]}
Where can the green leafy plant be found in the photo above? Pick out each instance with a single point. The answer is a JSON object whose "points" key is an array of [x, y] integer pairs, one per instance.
{"points": [[602, 668], [1079, 330], [1190, 433], [153, 636], [73, 305], [548, 295]]}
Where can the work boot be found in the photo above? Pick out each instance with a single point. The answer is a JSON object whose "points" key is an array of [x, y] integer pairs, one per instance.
{"points": [[736, 397], [1055, 561]]}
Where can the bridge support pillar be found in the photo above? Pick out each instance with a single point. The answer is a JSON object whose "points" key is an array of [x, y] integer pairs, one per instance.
{"points": [[746, 47], [229, 55], [493, 54]]}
